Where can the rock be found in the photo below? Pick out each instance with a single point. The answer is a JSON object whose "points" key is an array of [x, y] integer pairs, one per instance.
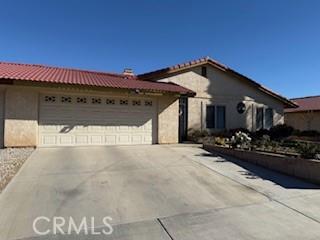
{"points": [[11, 159]]}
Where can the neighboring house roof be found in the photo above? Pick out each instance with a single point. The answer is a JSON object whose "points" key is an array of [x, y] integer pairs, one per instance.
{"points": [[305, 104], [207, 60], [40, 73]]}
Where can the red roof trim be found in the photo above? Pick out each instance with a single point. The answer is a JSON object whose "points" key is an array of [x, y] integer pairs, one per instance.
{"points": [[41, 73]]}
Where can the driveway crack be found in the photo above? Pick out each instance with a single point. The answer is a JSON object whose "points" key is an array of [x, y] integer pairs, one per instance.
{"points": [[165, 229]]}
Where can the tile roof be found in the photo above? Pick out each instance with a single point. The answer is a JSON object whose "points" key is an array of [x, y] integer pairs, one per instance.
{"points": [[40, 73], [305, 104], [207, 60]]}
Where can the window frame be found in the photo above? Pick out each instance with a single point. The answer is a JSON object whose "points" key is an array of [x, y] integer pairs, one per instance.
{"points": [[204, 72], [262, 118], [268, 111], [214, 124], [209, 124], [224, 117]]}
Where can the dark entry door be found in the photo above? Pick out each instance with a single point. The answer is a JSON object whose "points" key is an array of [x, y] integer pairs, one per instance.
{"points": [[183, 119]]}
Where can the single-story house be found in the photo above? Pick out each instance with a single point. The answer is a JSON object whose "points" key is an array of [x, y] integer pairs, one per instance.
{"points": [[51, 106], [225, 99], [306, 116]]}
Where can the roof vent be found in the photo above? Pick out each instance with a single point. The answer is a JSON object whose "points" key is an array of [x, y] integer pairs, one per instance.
{"points": [[128, 72]]}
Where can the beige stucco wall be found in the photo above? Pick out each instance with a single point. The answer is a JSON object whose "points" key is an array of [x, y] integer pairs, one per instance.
{"points": [[168, 119], [220, 88], [303, 120], [21, 117], [2, 94], [22, 111]]}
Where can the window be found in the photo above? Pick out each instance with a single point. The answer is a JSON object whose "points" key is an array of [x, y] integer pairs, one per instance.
{"points": [[50, 99], [269, 118], [210, 117], [204, 71], [96, 100], [66, 99], [123, 102], [259, 118], [110, 101], [216, 117], [221, 117], [136, 103], [81, 100], [148, 103]]}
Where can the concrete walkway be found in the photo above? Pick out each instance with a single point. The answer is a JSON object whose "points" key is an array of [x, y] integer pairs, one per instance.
{"points": [[157, 192]]}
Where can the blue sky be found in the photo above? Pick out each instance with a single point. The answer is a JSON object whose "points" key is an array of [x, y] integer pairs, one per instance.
{"points": [[277, 43]]}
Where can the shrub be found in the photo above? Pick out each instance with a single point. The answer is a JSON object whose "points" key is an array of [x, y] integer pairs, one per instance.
{"points": [[289, 143], [196, 135], [309, 133], [236, 130], [281, 131], [260, 133], [308, 150], [296, 132], [220, 141], [241, 140]]}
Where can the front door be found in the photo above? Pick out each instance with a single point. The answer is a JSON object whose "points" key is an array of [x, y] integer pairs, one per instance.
{"points": [[183, 119]]}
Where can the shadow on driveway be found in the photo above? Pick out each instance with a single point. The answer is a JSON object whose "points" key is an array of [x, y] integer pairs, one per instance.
{"points": [[252, 171]]}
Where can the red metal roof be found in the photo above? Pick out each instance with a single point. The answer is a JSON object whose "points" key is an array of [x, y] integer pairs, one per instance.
{"points": [[305, 104], [40, 73]]}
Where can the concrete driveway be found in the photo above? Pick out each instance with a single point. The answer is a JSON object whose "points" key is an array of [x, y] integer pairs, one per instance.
{"points": [[156, 192]]}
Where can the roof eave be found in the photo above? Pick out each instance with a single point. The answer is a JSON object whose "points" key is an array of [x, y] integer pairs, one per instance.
{"points": [[12, 80]]}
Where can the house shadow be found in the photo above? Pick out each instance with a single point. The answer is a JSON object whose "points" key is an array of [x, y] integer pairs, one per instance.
{"points": [[253, 172]]}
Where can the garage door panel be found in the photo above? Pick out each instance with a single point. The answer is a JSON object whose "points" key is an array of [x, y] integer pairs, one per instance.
{"points": [[111, 139], [66, 139], [72, 123], [97, 140]]}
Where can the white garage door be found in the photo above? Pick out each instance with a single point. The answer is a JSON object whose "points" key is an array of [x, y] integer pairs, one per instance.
{"points": [[71, 120]]}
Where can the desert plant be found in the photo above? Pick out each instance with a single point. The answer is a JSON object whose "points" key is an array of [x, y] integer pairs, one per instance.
{"points": [[221, 141], [240, 140]]}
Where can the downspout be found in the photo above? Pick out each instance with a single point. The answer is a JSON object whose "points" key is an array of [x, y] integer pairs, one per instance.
{"points": [[201, 116], [252, 117]]}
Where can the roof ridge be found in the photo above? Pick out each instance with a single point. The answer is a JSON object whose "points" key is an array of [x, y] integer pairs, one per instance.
{"points": [[200, 60], [67, 68]]}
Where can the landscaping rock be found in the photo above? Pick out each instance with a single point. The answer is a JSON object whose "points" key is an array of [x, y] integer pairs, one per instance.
{"points": [[11, 159]]}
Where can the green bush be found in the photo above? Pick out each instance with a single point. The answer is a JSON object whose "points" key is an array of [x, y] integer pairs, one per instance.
{"points": [[308, 150]]}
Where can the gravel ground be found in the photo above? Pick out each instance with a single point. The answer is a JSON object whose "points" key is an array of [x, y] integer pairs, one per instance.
{"points": [[11, 159]]}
